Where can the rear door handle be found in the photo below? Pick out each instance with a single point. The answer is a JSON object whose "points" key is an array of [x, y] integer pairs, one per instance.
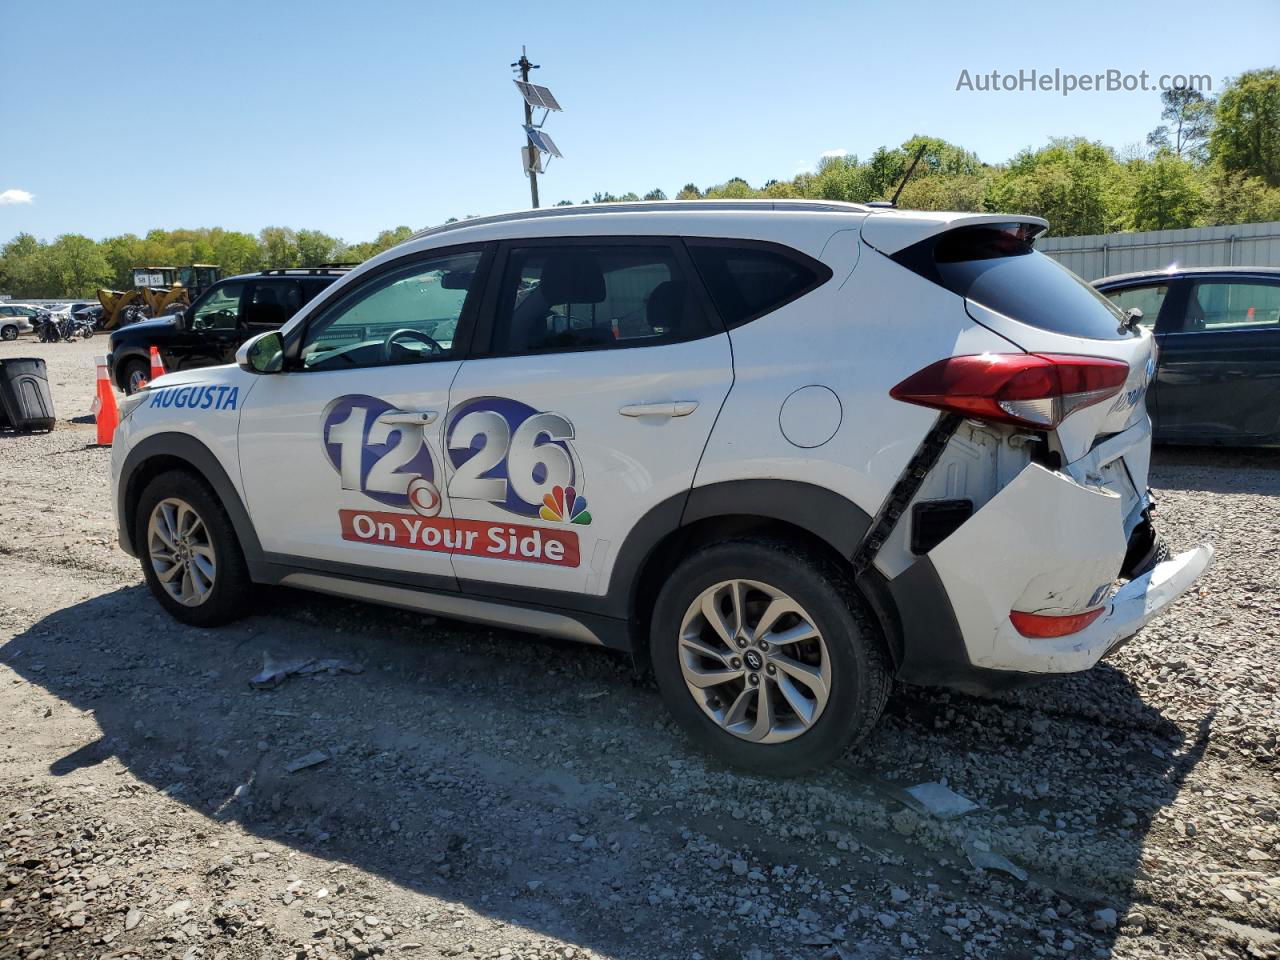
{"points": [[415, 417], [672, 408]]}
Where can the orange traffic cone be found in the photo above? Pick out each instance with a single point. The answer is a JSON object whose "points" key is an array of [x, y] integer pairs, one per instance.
{"points": [[157, 365], [105, 413]]}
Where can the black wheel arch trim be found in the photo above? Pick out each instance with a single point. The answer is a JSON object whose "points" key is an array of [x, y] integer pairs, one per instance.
{"points": [[201, 460]]}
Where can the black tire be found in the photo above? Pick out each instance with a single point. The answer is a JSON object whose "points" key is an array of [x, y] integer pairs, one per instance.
{"points": [[130, 371], [230, 596], [1146, 549], [8, 332], [859, 674]]}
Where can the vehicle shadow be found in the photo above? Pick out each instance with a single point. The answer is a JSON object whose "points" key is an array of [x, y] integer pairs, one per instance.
{"points": [[539, 785]]}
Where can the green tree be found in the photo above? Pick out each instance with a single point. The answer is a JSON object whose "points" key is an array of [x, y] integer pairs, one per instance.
{"points": [[689, 192], [279, 247], [735, 188], [1246, 133], [77, 266], [315, 248], [1188, 121], [1075, 184], [1167, 193], [655, 194], [1233, 197], [237, 252], [25, 270]]}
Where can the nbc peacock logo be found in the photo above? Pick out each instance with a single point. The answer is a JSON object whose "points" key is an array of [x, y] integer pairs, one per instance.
{"points": [[564, 505]]}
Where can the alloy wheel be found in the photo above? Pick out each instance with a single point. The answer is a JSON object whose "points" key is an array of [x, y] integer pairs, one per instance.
{"points": [[754, 661], [181, 552]]}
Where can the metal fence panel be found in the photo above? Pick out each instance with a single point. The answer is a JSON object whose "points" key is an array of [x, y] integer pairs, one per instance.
{"points": [[1103, 255]]}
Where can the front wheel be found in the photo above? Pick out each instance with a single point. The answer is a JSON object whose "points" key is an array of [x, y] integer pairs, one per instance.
{"points": [[190, 555], [764, 654], [134, 375], [8, 332]]}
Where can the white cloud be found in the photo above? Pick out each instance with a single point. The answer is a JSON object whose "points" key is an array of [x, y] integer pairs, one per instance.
{"points": [[8, 197], [837, 152]]}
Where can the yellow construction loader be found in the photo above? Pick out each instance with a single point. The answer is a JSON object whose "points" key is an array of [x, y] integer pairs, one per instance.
{"points": [[156, 291]]}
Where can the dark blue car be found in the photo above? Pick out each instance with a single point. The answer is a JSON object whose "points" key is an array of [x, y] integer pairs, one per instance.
{"points": [[1218, 330]]}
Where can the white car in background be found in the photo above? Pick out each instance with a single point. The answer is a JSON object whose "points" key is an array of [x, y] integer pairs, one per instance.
{"points": [[16, 318], [784, 452]]}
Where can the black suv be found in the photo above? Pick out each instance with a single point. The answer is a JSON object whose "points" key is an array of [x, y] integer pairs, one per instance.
{"points": [[209, 331]]}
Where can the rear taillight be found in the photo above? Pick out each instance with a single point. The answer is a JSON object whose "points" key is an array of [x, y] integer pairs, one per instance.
{"points": [[1042, 626], [1024, 389]]}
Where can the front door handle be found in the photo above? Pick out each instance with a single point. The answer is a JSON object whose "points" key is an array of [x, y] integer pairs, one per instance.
{"points": [[672, 408], [418, 418]]}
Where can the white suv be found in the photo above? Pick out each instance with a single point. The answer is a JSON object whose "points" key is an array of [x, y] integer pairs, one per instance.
{"points": [[785, 451]]}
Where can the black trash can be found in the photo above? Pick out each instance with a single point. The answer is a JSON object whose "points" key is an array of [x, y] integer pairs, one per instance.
{"points": [[25, 401]]}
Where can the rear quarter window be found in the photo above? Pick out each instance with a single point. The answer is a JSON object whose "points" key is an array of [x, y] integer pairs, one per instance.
{"points": [[747, 280], [996, 266]]}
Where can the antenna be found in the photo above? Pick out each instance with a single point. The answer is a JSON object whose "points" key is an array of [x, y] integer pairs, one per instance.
{"points": [[537, 143], [910, 170]]}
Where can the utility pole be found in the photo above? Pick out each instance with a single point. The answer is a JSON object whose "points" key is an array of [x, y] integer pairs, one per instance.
{"points": [[525, 66]]}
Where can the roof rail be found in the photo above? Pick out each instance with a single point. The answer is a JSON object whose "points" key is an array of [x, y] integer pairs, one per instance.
{"points": [[306, 271], [648, 206]]}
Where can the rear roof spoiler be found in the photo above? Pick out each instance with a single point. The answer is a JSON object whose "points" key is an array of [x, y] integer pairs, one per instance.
{"points": [[890, 231]]}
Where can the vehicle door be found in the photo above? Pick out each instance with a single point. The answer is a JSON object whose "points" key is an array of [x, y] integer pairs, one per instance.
{"points": [[600, 373], [1220, 362], [267, 304], [1152, 299], [208, 333], [340, 452]]}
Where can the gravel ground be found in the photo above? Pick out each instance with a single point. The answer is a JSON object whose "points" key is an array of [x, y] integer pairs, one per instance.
{"points": [[491, 795]]}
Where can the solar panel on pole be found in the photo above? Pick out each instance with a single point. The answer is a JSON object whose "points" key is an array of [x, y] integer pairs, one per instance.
{"points": [[537, 95], [542, 140]]}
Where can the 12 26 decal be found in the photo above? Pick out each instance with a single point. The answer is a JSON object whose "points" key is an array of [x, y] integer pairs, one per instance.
{"points": [[500, 451]]}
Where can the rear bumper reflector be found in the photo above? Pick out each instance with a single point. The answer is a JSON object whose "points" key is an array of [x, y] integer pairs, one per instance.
{"points": [[1040, 625]]}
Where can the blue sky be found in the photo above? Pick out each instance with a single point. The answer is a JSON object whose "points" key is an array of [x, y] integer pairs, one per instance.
{"points": [[352, 117]]}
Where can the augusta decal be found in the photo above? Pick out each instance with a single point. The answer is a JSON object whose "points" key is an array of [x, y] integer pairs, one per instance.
{"points": [[219, 397], [500, 451]]}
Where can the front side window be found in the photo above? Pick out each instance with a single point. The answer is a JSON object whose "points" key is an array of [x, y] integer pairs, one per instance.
{"points": [[583, 297], [749, 280], [407, 315], [1147, 299], [220, 310], [1215, 305]]}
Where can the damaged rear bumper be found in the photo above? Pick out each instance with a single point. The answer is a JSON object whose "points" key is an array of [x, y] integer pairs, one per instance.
{"points": [[1045, 544]]}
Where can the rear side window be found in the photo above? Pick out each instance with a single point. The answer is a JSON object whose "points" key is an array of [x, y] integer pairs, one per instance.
{"points": [[586, 297], [996, 266], [1216, 305], [748, 280]]}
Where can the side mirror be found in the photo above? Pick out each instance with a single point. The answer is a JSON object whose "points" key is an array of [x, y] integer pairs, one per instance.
{"points": [[1133, 318], [262, 354]]}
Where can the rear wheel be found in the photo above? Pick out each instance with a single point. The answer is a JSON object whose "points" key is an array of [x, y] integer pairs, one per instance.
{"points": [[190, 555], [8, 332], [763, 653]]}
